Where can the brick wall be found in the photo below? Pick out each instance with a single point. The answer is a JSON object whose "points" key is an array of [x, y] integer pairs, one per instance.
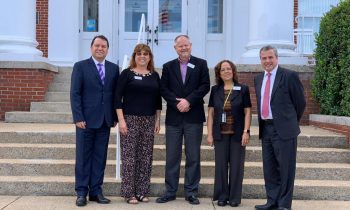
{"points": [[42, 8], [295, 13], [312, 107], [19, 87]]}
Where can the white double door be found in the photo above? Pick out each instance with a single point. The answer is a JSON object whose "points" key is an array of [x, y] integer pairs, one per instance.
{"points": [[165, 19]]}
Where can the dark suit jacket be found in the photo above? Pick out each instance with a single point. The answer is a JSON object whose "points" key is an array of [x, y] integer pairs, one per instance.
{"points": [[197, 85], [287, 102], [240, 99], [91, 101]]}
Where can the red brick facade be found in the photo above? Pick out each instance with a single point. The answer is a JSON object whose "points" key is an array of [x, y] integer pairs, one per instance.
{"points": [[42, 9], [19, 87]]}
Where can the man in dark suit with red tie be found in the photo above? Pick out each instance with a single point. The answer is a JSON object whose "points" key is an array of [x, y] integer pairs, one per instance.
{"points": [[93, 85], [280, 104], [184, 83]]}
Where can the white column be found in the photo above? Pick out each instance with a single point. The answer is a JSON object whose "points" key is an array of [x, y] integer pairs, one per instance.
{"points": [[18, 31], [271, 22]]}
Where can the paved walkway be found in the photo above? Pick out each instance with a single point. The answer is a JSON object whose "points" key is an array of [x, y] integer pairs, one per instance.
{"points": [[68, 203]]}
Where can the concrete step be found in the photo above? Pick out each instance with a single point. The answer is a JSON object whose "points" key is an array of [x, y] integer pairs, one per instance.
{"points": [[253, 154], [50, 107], [252, 188], [38, 117], [52, 113], [30, 133], [60, 87], [57, 97], [253, 170], [64, 74]]}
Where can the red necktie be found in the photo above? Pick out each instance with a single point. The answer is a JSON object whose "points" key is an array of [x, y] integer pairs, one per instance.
{"points": [[265, 105]]}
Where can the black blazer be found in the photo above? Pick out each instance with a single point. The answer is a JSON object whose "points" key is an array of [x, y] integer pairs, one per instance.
{"points": [[197, 85], [287, 102], [240, 99], [91, 101]]}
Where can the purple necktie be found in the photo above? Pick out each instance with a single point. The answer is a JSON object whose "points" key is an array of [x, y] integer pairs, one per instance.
{"points": [[101, 73]]}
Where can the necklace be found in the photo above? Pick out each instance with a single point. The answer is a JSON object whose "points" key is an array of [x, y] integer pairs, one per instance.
{"points": [[140, 74]]}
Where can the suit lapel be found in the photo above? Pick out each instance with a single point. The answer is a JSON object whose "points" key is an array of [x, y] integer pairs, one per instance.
{"points": [[190, 70], [107, 72], [178, 71], [94, 71], [276, 82], [259, 85], [235, 93]]}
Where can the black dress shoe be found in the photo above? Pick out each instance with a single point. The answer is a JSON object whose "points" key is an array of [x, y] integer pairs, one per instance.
{"points": [[222, 203], [265, 207], [192, 200], [234, 204], [282, 208], [99, 199], [165, 199], [81, 201]]}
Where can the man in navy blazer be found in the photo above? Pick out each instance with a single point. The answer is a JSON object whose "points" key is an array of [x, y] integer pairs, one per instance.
{"points": [[93, 85], [280, 104], [184, 83]]}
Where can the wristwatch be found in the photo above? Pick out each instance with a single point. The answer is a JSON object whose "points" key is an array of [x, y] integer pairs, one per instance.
{"points": [[246, 131]]}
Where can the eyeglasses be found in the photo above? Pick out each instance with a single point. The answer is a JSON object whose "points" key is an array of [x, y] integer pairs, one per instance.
{"points": [[142, 53], [226, 69]]}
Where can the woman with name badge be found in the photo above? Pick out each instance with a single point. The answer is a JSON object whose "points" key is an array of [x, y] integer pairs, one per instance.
{"points": [[229, 117], [138, 106]]}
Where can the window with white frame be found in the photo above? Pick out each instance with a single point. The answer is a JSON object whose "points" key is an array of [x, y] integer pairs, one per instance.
{"points": [[90, 15], [215, 16], [309, 16]]}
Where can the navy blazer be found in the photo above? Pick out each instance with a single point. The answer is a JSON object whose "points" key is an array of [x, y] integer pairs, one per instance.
{"points": [[197, 85], [287, 102], [239, 99], [91, 101]]}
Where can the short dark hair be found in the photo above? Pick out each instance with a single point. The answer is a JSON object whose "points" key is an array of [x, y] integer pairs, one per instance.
{"points": [[100, 37], [269, 47], [217, 69]]}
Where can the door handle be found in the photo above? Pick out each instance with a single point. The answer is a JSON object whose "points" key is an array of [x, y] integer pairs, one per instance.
{"points": [[156, 33], [148, 32]]}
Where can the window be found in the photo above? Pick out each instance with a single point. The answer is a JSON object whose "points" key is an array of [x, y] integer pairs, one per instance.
{"points": [[309, 16], [90, 15], [215, 16], [133, 12]]}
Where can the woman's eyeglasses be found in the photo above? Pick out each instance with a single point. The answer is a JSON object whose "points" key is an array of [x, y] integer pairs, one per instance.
{"points": [[142, 53]]}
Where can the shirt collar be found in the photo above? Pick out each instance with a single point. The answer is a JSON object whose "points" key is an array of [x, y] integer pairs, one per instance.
{"points": [[97, 62], [186, 61], [273, 72]]}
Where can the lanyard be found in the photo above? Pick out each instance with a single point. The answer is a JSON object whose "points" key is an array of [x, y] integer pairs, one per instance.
{"points": [[227, 97]]}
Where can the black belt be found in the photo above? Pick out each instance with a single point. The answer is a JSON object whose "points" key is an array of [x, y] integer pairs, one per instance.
{"points": [[268, 121]]}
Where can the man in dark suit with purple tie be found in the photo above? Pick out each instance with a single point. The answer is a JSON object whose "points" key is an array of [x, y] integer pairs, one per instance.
{"points": [[280, 104], [93, 85]]}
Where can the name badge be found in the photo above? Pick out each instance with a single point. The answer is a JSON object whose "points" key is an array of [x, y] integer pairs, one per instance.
{"points": [[236, 87], [223, 117], [138, 77], [191, 65]]}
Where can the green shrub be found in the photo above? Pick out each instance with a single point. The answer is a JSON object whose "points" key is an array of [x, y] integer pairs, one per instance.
{"points": [[331, 85]]}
